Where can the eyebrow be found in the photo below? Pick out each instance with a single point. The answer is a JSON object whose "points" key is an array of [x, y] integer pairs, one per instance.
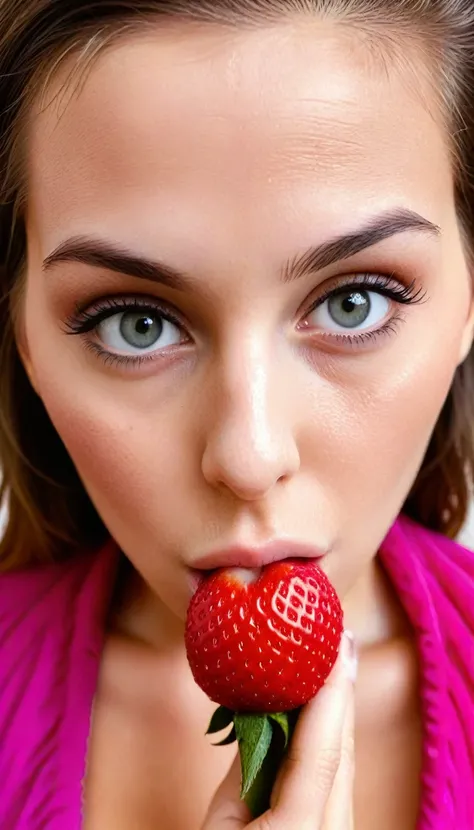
{"points": [[343, 247], [109, 256]]}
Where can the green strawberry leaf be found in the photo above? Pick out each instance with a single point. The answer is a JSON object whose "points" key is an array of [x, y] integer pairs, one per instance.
{"points": [[282, 719], [221, 718], [231, 737], [254, 734]]}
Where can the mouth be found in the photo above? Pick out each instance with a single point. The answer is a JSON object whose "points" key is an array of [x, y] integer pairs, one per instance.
{"points": [[253, 558]]}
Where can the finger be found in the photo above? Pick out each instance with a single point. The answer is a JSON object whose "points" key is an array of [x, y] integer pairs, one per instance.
{"points": [[339, 808], [315, 752], [227, 811]]}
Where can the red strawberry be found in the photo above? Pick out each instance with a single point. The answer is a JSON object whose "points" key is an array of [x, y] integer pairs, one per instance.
{"points": [[261, 643], [264, 641]]}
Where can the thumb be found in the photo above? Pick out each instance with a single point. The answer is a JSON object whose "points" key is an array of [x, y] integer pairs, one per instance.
{"points": [[227, 810]]}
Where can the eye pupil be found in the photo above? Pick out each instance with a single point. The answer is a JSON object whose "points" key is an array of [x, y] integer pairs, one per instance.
{"points": [[140, 330], [143, 325], [349, 304], [350, 308]]}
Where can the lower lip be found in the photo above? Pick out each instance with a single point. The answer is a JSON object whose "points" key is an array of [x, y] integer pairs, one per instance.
{"points": [[197, 577]]}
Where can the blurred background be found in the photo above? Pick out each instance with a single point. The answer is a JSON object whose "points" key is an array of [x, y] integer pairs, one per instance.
{"points": [[467, 536]]}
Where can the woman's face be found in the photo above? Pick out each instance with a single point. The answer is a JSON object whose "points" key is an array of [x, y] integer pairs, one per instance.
{"points": [[246, 293]]}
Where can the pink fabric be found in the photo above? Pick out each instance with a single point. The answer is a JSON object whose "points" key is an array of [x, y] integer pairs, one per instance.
{"points": [[51, 635]]}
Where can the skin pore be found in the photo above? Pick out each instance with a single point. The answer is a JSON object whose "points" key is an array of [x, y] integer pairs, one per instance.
{"points": [[225, 157]]}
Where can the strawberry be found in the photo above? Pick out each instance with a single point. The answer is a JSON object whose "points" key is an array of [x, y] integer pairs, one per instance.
{"points": [[262, 643]]}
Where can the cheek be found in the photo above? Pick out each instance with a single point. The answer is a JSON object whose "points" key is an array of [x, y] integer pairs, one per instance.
{"points": [[383, 424], [128, 451], [128, 466], [366, 446], [121, 434]]}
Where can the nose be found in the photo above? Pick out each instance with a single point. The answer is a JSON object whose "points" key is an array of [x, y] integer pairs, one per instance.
{"points": [[250, 442]]}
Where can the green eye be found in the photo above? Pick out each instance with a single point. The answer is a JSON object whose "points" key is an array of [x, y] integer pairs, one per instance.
{"points": [[138, 332], [350, 308], [141, 330]]}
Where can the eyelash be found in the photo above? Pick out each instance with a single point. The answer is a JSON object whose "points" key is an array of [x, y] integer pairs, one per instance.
{"points": [[384, 284], [85, 320], [389, 287]]}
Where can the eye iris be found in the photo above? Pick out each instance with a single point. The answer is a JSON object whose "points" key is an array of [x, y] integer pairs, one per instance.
{"points": [[350, 308], [140, 330]]}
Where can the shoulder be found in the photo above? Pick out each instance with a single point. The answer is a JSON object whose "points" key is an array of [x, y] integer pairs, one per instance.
{"points": [[52, 622], [434, 577], [47, 610], [450, 564], [37, 597], [447, 565], [437, 585]]}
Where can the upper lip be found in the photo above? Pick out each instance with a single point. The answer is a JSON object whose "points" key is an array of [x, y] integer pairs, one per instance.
{"points": [[243, 556]]}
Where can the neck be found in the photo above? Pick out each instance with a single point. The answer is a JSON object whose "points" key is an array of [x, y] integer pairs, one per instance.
{"points": [[372, 610], [137, 614]]}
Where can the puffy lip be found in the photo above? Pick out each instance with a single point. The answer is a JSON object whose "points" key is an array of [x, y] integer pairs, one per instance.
{"points": [[242, 556]]}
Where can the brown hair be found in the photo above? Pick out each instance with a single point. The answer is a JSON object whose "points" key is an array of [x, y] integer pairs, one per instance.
{"points": [[49, 511]]}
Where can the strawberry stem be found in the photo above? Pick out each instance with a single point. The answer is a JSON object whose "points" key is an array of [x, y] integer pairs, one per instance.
{"points": [[263, 739], [259, 794]]}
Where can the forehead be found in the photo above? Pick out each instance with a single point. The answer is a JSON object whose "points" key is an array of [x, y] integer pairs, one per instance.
{"points": [[221, 125]]}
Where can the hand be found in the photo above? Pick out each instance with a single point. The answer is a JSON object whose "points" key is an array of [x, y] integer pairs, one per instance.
{"points": [[314, 788]]}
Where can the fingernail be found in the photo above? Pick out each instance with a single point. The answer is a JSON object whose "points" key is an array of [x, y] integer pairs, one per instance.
{"points": [[349, 655]]}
